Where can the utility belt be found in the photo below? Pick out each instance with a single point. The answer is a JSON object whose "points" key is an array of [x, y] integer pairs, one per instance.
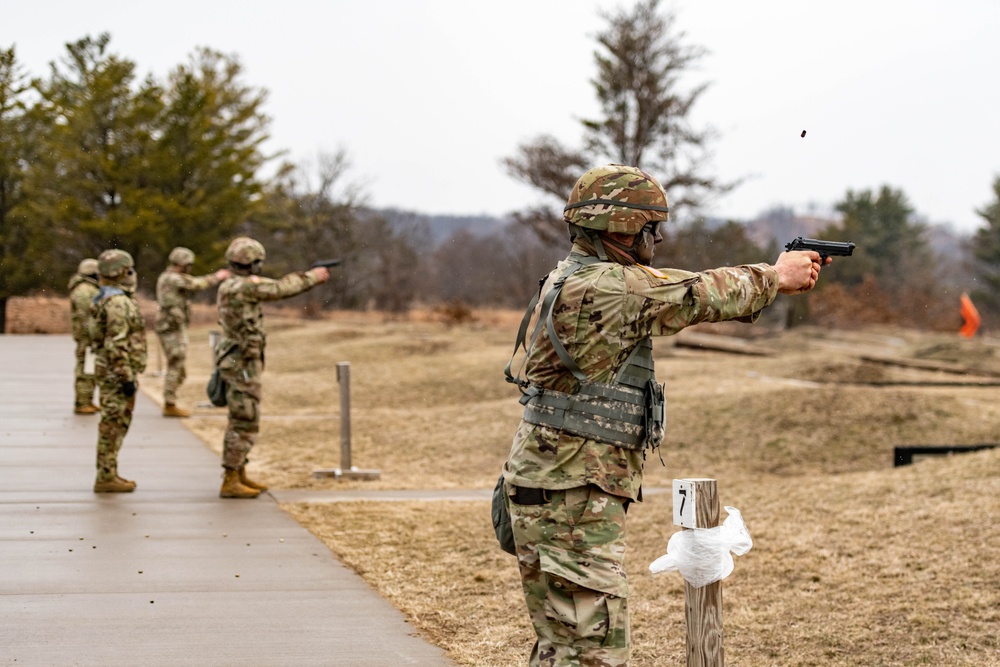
{"points": [[618, 415], [529, 496]]}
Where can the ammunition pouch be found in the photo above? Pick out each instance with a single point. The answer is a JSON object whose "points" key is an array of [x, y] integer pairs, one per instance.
{"points": [[216, 388], [628, 413], [501, 518]]}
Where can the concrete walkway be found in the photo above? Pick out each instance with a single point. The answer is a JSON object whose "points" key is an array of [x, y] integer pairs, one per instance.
{"points": [[170, 574]]}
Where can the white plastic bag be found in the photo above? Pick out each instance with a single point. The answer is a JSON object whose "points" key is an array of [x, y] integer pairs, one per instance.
{"points": [[702, 555]]}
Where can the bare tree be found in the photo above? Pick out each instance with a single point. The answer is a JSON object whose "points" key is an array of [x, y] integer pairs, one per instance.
{"points": [[646, 120], [547, 166]]}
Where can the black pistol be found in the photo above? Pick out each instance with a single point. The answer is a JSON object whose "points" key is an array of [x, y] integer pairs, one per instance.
{"points": [[824, 248], [326, 263]]}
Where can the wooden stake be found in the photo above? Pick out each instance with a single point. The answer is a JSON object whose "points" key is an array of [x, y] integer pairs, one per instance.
{"points": [[703, 606]]}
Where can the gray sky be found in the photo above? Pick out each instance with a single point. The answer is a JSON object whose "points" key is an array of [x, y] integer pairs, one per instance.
{"points": [[427, 96]]}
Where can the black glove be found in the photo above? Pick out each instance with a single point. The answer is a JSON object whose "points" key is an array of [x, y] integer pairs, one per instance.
{"points": [[128, 388]]}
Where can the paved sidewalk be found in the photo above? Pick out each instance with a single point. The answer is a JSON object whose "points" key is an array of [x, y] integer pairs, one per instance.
{"points": [[170, 574]]}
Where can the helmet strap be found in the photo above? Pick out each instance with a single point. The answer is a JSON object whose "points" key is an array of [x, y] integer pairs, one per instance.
{"points": [[599, 246], [593, 237]]}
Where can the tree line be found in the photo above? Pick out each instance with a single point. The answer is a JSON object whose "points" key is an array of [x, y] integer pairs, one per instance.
{"points": [[93, 157]]}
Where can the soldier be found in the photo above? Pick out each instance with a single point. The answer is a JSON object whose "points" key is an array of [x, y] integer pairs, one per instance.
{"points": [[174, 288], [120, 338], [593, 409], [240, 353], [82, 290]]}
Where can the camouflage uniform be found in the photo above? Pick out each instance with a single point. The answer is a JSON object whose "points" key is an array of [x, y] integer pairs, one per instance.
{"points": [[173, 294], [82, 290], [120, 338], [240, 352], [571, 537]]}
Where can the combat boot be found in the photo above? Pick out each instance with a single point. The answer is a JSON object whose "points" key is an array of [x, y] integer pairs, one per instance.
{"points": [[173, 410], [116, 485], [86, 409], [232, 488], [246, 481]]}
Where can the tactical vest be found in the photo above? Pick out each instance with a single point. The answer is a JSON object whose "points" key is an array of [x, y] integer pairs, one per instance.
{"points": [[98, 322], [627, 412]]}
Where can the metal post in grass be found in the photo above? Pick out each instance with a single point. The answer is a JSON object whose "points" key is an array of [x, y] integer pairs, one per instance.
{"points": [[696, 506], [346, 469]]}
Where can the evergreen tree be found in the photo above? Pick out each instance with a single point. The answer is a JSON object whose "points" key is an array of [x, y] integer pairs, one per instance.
{"points": [[985, 250], [141, 166], [892, 262], [88, 183], [890, 245], [202, 173], [16, 236]]}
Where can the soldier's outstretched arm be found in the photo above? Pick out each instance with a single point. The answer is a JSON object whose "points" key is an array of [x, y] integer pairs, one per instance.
{"points": [[197, 283], [266, 289]]}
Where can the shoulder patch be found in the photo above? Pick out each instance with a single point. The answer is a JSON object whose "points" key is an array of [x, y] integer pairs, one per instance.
{"points": [[654, 272]]}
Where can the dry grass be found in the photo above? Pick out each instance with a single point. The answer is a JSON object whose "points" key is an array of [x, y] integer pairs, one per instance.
{"points": [[854, 562]]}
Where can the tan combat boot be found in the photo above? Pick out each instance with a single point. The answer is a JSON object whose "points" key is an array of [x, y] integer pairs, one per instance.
{"points": [[116, 485], [246, 481], [173, 410], [232, 488], [86, 409]]}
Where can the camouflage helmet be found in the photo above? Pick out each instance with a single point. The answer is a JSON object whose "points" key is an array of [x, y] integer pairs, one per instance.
{"points": [[114, 263], [88, 267], [617, 199], [181, 256], [245, 250]]}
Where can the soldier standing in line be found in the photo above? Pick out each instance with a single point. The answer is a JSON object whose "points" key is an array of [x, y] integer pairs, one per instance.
{"points": [[174, 288], [240, 353], [82, 290], [120, 337], [593, 408]]}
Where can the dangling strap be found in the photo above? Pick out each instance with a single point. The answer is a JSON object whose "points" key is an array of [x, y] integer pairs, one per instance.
{"points": [[545, 315]]}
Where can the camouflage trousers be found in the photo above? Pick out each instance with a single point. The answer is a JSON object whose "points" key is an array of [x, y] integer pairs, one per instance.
{"points": [[571, 554], [175, 345], [84, 384], [243, 391], [116, 417]]}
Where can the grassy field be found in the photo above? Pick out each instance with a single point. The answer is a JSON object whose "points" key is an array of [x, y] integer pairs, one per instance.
{"points": [[854, 562]]}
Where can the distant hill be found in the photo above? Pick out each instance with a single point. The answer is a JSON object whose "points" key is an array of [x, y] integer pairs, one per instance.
{"points": [[443, 227], [779, 225]]}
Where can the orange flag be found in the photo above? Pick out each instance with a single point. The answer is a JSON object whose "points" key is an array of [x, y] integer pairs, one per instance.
{"points": [[971, 317]]}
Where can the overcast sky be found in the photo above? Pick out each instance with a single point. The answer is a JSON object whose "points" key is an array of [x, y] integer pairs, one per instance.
{"points": [[426, 96]]}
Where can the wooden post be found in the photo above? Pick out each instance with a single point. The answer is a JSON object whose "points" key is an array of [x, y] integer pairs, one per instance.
{"points": [[702, 606], [344, 380], [346, 470]]}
